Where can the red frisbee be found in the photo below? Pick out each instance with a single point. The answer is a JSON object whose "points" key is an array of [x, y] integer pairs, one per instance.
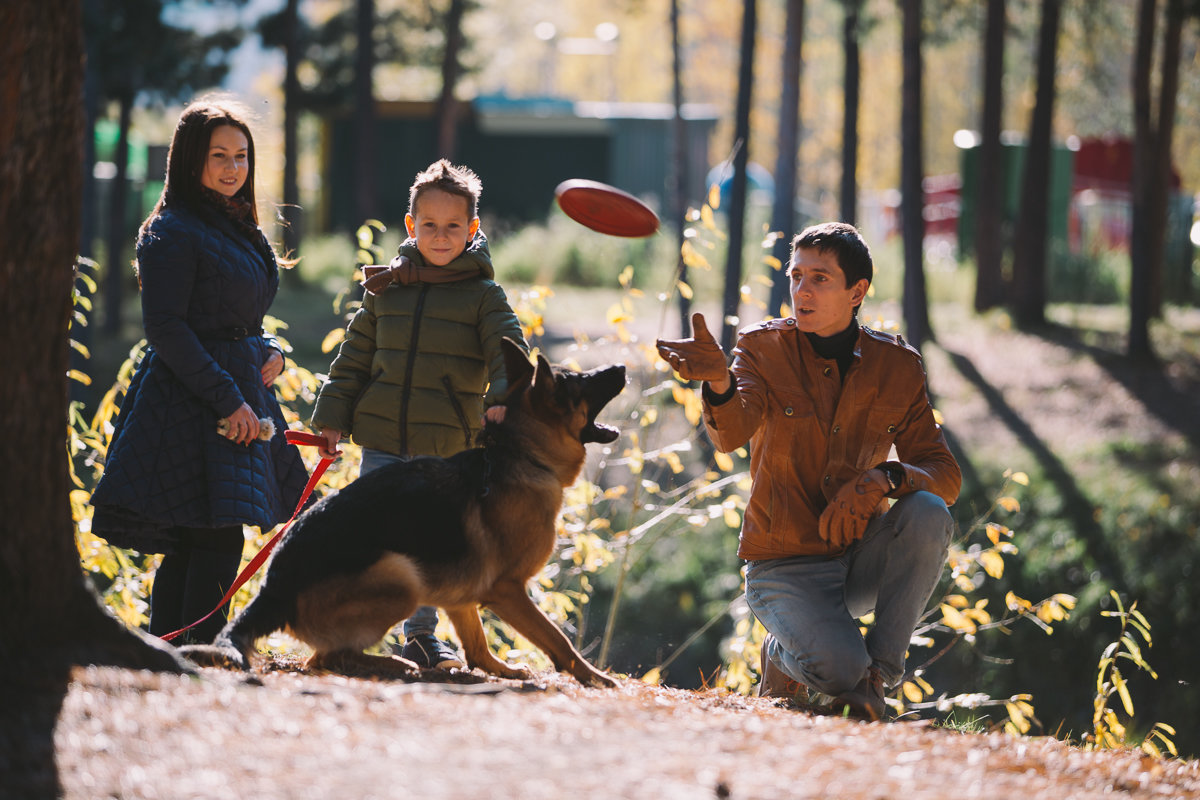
{"points": [[605, 209]]}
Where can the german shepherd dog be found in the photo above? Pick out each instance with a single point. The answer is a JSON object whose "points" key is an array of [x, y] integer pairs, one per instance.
{"points": [[460, 532]]}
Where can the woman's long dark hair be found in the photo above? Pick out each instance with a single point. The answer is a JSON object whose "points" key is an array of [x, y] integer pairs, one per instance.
{"points": [[189, 151]]}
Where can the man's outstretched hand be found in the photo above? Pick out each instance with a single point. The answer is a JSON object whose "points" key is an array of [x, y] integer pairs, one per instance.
{"points": [[845, 519], [699, 358]]}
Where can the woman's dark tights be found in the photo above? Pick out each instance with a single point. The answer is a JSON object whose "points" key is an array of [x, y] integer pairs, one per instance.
{"points": [[192, 580]]}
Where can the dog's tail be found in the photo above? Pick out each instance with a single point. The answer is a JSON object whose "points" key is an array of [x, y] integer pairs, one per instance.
{"points": [[234, 645]]}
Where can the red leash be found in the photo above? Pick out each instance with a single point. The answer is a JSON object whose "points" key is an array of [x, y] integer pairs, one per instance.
{"points": [[293, 437]]}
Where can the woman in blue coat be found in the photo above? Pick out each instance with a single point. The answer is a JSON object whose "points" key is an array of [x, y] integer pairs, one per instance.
{"points": [[172, 484]]}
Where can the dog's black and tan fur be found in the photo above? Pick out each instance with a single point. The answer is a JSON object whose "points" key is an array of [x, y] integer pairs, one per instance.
{"points": [[460, 532]]}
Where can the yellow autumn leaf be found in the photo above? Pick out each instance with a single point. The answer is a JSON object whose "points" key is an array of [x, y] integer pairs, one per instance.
{"points": [[693, 409], [685, 291], [724, 461], [616, 314], [992, 562], [1019, 722], [1021, 478], [956, 620], [1009, 504], [732, 518], [1123, 691], [332, 339], [693, 257], [1016, 603], [912, 692], [714, 197], [653, 677]]}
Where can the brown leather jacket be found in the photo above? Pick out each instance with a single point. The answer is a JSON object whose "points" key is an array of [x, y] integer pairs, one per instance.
{"points": [[810, 432]]}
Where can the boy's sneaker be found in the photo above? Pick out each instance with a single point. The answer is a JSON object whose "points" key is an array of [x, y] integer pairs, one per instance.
{"points": [[774, 682], [429, 652], [865, 700]]}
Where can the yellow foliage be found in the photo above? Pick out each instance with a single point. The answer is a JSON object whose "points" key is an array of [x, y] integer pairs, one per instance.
{"points": [[1009, 504], [332, 339], [956, 620], [993, 563]]}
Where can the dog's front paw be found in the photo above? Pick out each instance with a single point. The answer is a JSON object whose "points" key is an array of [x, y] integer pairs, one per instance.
{"points": [[515, 671], [207, 655]]}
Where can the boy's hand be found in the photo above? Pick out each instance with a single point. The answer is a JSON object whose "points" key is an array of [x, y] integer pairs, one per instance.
{"points": [[494, 414], [330, 448], [699, 358], [845, 519]]}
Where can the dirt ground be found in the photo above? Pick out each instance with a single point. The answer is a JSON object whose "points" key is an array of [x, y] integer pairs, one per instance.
{"points": [[280, 734], [131, 735]]}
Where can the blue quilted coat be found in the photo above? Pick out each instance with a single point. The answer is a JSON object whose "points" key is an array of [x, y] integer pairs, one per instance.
{"points": [[205, 289]]}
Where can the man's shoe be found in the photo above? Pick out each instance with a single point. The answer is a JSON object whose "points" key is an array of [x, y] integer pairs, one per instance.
{"points": [[428, 652], [774, 682], [864, 701]]}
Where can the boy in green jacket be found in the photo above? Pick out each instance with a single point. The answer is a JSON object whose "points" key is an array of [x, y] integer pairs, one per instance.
{"points": [[411, 375]]}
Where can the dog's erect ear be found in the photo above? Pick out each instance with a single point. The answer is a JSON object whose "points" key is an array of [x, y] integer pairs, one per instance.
{"points": [[543, 378], [516, 364]]}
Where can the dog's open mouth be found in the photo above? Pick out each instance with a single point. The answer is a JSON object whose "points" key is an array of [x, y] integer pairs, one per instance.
{"points": [[601, 434], [603, 385]]}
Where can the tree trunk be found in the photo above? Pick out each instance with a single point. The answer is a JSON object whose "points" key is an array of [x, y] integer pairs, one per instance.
{"points": [[1029, 250], [1168, 90], [679, 170], [851, 80], [365, 167], [447, 106], [784, 212], [737, 199], [291, 120], [49, 617], [915, 305], [989, 222], [1143, 160], [116, 269]]}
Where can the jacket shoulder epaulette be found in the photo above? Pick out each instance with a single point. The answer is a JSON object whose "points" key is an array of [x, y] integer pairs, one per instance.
{"points": [[767, 325], [890, 338]]}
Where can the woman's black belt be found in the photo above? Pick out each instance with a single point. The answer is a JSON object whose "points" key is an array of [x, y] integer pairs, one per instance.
{"points": [[230, 334]]}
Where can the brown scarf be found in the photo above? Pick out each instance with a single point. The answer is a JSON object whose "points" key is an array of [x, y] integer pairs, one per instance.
{"points": [[236, 209], [403, 271]]}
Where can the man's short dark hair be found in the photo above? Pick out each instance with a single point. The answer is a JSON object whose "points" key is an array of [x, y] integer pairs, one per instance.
{"points": [[847, 245]]}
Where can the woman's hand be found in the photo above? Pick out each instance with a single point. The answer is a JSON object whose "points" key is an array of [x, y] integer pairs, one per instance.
{"points": [[243, 426], [273, 367], [494, 414]]}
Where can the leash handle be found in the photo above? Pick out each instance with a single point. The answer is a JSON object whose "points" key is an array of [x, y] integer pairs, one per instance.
{"points": [[293, 437]]}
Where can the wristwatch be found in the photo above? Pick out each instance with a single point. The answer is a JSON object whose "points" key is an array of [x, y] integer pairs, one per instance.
{"points": [[894, 474]]}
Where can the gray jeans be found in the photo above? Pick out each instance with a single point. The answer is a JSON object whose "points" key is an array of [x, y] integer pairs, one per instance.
{"points": [[811, 604], [425, 618]]}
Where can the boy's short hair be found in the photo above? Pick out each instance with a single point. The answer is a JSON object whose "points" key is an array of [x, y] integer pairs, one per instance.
{"points": [[846, 244], [443, 175]]}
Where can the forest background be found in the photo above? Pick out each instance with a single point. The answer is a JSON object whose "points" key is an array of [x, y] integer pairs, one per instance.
{"points": [[1113, 515]]}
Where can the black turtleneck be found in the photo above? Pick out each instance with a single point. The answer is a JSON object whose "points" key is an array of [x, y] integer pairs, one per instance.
{"points": [[839, 347]]}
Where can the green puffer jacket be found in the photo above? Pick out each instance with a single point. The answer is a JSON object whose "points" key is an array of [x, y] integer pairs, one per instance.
{"points": [[410, 377]]}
